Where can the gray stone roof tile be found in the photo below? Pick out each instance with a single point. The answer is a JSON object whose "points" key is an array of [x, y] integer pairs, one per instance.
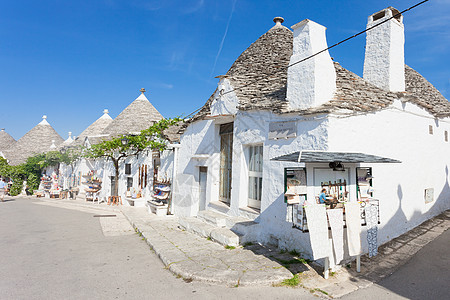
{"points": [[139, 115], [6, 140], [37, 140], [259, 78]]}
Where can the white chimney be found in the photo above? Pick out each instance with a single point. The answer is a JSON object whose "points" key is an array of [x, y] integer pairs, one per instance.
{"points": [[311, 82], [384, 64]]}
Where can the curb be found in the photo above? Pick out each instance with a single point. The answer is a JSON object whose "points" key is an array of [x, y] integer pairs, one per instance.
{"points": [[231, 278]]}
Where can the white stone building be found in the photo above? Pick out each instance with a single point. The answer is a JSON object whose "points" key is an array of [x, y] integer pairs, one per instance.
{"points": [[271, 119], [135, 172]]}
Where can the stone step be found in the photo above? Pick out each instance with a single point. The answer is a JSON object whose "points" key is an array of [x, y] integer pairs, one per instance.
{"points": [[225, 236], [245, 228], [213, 217], [194, 225], [221, 235]]}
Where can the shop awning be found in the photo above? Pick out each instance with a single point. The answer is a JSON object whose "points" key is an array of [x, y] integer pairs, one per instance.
{"points": [[326, 157]]}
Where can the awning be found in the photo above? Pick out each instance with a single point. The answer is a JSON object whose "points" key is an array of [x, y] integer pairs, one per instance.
{"points": [[326, 157]]}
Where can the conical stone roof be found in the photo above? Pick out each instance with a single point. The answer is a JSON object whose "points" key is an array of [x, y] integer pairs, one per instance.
{"points": [[139, 115], [259, 79], [37, 140], [69, 141], [6, 140], [95, 129]]}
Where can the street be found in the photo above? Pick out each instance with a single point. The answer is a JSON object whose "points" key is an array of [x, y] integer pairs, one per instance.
{"points": [[49, 252], [425, 276], [56, 253]]}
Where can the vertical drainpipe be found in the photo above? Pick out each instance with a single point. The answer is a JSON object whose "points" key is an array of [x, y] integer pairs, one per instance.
{"points": [[174, 172]]}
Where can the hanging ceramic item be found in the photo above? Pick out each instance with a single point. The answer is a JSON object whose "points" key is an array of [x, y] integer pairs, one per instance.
{"points": [[336, 220], [372, 229], [318, 230], [353, 222]]}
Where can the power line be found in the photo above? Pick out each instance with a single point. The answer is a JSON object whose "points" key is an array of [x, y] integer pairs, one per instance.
{"points": [[321, 51]]}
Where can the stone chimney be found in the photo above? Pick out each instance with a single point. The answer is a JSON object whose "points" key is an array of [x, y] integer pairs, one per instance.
{"points": [[310, 83], [384, 63]]}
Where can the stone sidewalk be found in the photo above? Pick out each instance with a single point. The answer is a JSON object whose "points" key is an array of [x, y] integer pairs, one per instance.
{"points": [[194, 258], [190, 256]]}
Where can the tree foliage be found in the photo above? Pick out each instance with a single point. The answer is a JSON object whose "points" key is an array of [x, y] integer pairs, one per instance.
{"points": [[119, 148], [151, 138], [32, 169]]}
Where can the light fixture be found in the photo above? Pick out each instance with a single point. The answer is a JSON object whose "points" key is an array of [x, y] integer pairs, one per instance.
{"points": [[336, 166], [124, 141]]}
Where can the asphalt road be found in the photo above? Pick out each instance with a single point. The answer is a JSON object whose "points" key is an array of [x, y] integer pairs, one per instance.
{"points": [[425, 276], [55, 253]]}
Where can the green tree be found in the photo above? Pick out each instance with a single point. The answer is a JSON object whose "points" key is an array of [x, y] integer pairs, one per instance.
{"points": [[119, 148], [16, 173]]}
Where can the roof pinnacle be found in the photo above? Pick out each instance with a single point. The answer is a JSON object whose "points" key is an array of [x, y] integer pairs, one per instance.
{"points": [[278, 20], [142, 90]]}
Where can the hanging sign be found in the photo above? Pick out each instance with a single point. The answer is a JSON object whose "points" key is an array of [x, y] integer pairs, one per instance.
{"points": [[282, 130]]}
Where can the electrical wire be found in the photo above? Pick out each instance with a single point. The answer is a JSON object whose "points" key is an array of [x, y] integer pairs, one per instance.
{"points": [[321, 51]]}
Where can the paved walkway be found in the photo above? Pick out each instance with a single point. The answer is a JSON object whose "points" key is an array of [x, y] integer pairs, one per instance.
{"points": [[190, 256], [195, 258]]}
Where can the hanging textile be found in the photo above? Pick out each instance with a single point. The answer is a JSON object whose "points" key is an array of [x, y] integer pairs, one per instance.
{"points": [[145, 179], [336, 220], [372, 228], [353, 222], [316, 217], [140, 177]]}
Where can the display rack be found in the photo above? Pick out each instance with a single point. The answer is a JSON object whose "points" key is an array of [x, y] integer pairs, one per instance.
{"points": [[94, 187], [161, 195]]}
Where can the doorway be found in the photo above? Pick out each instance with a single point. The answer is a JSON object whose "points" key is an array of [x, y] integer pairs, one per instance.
{"points": [[226, 159], [203, 177]]}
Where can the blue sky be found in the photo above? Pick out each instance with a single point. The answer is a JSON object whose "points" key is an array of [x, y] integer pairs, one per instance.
{"points": [[71, 59]]}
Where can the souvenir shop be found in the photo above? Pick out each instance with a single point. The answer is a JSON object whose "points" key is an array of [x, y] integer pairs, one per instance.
{"points": [[330, 195]]}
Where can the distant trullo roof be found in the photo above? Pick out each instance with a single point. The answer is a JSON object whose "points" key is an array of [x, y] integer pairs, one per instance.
{"points": [[139, 115], [6, 140], [69, 140], [95, 129], [37, 140]]}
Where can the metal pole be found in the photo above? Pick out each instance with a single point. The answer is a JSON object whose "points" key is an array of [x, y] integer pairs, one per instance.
{"points": [[358, 263]]}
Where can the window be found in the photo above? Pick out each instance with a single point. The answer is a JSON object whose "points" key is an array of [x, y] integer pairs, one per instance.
{"points": [[129, 183], [446, 136], [430, 129], [127, 169], [255, 171]]}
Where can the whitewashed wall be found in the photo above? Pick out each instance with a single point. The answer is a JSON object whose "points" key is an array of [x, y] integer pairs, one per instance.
{"points": [[252, 128], [108, 171], [200, 138], [200, 146], [166, 168], [400, 133]]}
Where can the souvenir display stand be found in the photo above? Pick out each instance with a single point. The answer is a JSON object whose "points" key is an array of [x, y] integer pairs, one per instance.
{"points": [[330, 219], [46, 185], [161, 194], [92, 192]]}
